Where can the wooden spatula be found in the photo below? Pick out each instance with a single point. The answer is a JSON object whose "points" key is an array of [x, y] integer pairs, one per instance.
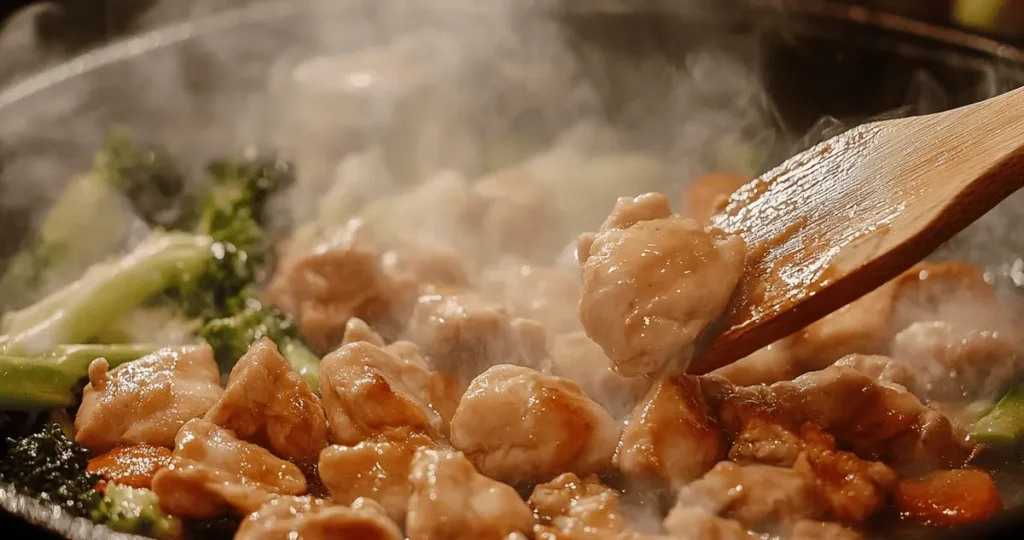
{"points": [[840, 219]]}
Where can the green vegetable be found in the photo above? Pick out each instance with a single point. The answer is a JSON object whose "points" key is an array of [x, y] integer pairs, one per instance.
{"points": [[1004, 424], [135, 511], [231, 336], [51, 467], [982, 14], [48, 381]]}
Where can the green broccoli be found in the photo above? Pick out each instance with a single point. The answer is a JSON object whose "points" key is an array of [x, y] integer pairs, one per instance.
{"points": [[128, 187], [48, 381], [135, 511], [51, 467], [1003, 426], [231, 336]]}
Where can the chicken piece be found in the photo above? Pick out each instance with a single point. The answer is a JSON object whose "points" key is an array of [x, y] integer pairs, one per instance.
{"points": [[880, 368], [356, 329], [708, 195], [212, 472], [873, 419], [766, 365], [852, 488], [337, 280], [950, 291], [463, 334], [568, 507], [309, 518], [766, 442], [757, 496], [862, 326], [450, 500], [576, 357], [546, 294], [821, 530], [956, 362], [671, 436], [268, 404], [518, 215], [653, 282], [426, 263], [376, 469], [148, 400], [368, 391], [518, 424], [693, 523]]}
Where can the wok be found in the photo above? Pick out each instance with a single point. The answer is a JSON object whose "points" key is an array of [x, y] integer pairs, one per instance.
{"points": [[683, 80]]}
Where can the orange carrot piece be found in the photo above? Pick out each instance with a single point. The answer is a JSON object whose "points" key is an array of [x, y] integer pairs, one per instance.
{"points": [[132, 466], [948, 498]]}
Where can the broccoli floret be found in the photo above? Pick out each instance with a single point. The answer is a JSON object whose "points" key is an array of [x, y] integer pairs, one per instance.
{"points": [[135, 511], [51, 467], [234, 211], [49, 381], [128, 188], [231, 336]]}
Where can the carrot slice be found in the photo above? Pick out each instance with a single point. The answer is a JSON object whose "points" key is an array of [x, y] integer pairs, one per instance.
{"points": [[132, 466], [948, 498]]}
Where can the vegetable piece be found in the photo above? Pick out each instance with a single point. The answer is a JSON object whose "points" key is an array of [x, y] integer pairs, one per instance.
{"points": [[983, 14], [131, 466], [107, 291], [49, 380], [948, 498], [127, 187], [135, 511], [1003, 426], [51, 467], [231, 337]]}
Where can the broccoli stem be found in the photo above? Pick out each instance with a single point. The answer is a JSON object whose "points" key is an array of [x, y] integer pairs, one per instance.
{"points": [[47, 381], [105, 293], [304, 361], [1004, 425]]}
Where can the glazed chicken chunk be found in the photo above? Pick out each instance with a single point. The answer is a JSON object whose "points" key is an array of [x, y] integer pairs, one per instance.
{"points": [[309, 518], [672, 435], [268, 404], [213, 472], [461, 333], [518, 424], [653, 281], [569, 508], [576, 357], [148, 400], [451, 500]]}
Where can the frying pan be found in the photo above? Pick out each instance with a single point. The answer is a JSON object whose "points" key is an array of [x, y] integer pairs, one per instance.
{"points": [[675, 78]]}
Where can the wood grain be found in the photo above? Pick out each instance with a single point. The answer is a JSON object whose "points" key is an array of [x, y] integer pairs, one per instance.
{"points": [[838, 220]]}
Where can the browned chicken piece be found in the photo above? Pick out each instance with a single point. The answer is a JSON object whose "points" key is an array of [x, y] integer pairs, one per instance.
{"points": [[672, 436], [546, 294], [377, 469], [451, 500], [957, 362], [148, 400], [337, 280], [875, 420], [518, 424], [880, 368], [653, 281], [309, 518], [853, 489], [576, 357], [821, 530], [767, 365], [518, 215], [461, 333], [268, 404], [213, 472], [760, 497], [368, 390], [762, 440], [694, 523], [426, 263], [708, 195], [569, 508], [356, 329]]}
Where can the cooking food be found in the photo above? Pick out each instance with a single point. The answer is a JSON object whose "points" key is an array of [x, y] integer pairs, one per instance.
{"points": [[449, 378]]}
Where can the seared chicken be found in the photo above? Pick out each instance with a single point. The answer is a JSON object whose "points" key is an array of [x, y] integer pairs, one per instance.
{"points": [[766, 365], [148, 400], [695, 523], [309, 518], [569, 508], [518, 424], [212, 472], [576, 357], [672, 436], [653, 282], [880, 368], [451, 500], [267, 403]]}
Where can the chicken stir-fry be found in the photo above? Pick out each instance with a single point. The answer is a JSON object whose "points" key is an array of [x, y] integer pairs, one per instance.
{"points": [[316, 519]]}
